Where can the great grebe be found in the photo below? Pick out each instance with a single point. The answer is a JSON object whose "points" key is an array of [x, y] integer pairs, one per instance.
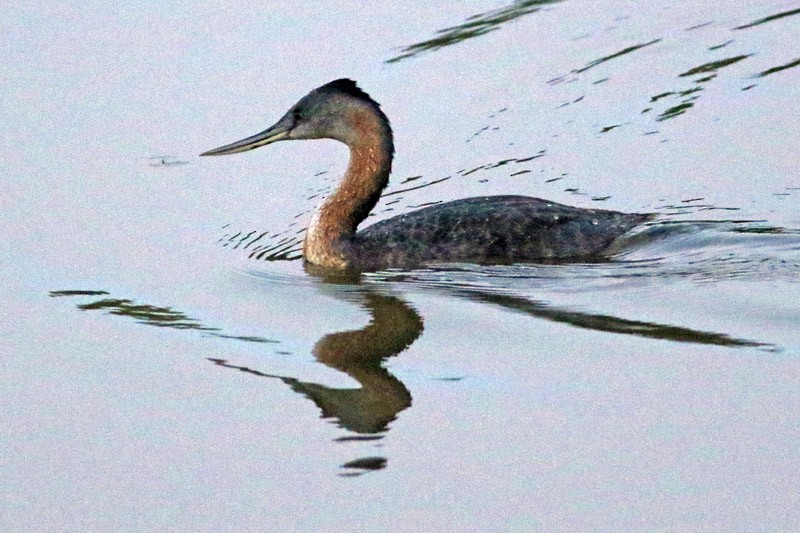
{"points": [[487, 229]]}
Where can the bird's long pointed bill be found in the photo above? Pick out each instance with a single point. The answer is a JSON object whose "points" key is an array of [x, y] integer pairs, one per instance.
{"points": [[275, 133]]}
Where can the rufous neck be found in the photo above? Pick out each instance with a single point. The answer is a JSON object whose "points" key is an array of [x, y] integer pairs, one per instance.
{"points": [[371, 149]]}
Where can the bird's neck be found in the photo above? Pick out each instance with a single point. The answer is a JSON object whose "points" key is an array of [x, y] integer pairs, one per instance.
{"points": [[371, 149]]}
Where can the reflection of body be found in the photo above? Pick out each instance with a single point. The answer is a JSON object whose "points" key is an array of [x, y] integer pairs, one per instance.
{"points": [[394, 325], [492, 229]]}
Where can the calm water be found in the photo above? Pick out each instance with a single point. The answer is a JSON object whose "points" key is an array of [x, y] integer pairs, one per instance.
{"points": [[169, 364]]}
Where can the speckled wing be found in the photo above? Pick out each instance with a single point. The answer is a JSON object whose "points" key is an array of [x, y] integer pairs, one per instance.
{"points": [[493, 229]]}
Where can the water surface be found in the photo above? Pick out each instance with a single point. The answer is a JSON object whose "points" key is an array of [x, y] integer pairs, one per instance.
{"points": [[170, 364]]}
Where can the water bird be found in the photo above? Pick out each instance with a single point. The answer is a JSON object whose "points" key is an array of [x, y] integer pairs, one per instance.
{"points": [[484, 230]]}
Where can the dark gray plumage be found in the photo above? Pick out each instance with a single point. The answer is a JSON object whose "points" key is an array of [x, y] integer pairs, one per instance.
{"points": [[489, 229]]}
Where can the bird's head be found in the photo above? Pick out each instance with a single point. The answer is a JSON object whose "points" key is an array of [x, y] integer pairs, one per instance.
{"points": [[328, 112]]}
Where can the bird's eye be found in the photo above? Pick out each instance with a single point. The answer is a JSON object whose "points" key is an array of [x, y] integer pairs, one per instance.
{"points": [[298, 116]]}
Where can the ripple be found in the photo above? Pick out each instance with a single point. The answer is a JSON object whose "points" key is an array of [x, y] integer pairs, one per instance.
{"points": [[770, 18], [474, 26]]}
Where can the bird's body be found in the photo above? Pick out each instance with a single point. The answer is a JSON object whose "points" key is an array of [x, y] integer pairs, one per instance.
{"points": [[488, 229]]}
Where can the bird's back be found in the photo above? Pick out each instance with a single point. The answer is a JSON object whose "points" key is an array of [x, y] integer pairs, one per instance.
{"points": [[489, 229]]}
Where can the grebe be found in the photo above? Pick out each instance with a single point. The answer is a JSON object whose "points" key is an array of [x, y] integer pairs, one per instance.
{"points": [[487, 229]]}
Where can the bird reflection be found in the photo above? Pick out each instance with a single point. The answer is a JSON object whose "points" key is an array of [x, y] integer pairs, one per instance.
{"points": [[366, 412], [360, 354]]}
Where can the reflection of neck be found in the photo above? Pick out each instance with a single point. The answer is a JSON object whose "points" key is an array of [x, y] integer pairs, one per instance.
{"points": [[371, 148], [360, 354]]}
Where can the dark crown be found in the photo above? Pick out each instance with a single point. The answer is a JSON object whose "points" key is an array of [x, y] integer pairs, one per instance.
{"points": [[346, 86]]}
